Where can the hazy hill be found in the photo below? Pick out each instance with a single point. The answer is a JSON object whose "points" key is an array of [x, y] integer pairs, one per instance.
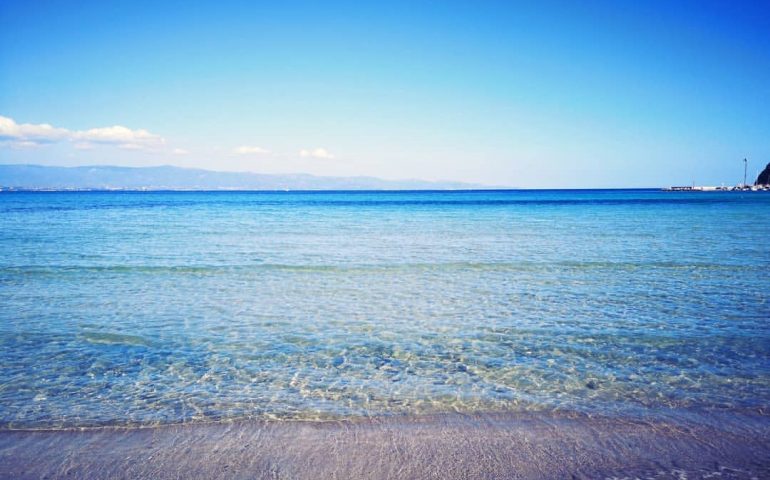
{"points": [[764, 177], [37, 177]]}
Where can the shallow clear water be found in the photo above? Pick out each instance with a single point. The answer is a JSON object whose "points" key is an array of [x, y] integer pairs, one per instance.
{"points": [[168, 307]]}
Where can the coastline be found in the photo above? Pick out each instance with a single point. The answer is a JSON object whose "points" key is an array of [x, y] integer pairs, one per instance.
{"points": [[723, 444]]}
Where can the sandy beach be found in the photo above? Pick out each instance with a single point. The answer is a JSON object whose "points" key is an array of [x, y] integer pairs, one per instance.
{"points": [[528, 446]]}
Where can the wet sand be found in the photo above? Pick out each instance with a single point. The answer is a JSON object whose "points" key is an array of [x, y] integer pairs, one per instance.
{"points": [[489, 446]]}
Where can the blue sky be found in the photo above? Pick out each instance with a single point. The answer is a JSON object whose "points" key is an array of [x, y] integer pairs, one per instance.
{"points": [[535, 94]]}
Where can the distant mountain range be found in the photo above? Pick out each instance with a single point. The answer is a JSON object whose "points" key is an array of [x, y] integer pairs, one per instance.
{"points": [[38, 177]]}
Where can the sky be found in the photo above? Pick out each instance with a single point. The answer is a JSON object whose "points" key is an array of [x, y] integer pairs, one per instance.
{"points": [[541, 94]]}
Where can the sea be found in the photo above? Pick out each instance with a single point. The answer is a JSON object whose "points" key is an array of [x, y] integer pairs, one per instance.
{"points": [[149, 308]]}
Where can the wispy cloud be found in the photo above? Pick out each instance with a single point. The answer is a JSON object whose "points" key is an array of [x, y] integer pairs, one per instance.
{"points": [[316, 153], [32, 135], [250, 150], [179, 151]]}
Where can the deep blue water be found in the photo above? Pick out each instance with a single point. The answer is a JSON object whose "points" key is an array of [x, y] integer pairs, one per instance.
{"points": [[159, 307]]}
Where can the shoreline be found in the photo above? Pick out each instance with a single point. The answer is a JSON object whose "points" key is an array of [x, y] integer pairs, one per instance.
{"points": [[681, 414], [469, 446]]}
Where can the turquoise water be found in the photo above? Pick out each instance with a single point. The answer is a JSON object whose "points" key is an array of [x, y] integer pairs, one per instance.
{"points": [[147, 308]]}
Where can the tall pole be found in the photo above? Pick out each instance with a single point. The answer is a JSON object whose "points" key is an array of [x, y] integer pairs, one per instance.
{"points": [[745, 165]]}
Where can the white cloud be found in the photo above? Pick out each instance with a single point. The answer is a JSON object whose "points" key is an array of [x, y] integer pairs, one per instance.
{"points": [[316, 153], [248, 150], [179, 151], [121, 137], [27, 134]]}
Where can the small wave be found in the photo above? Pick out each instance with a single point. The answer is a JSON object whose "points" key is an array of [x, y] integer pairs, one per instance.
{"points": [[353, 268]]}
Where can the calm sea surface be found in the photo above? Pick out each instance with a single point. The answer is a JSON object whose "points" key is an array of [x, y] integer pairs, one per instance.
{"points": [[146, 308]]}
